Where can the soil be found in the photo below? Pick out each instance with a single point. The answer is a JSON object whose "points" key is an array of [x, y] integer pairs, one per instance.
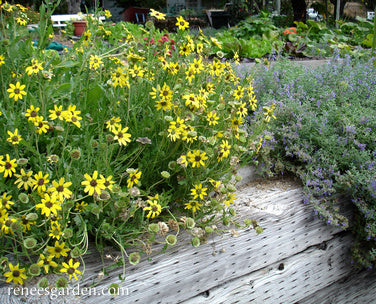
{"points": [[63, 40]]}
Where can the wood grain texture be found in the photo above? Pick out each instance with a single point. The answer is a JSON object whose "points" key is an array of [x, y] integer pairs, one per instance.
{"points": [[296, 255], [288, 280], [358, 287]]}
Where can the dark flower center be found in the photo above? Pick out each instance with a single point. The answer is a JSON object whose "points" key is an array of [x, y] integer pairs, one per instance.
{"points": [[16, 273], [71, 270]]}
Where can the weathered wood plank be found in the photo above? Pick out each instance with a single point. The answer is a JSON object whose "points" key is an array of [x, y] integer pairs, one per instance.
{"points": [[358, 287], [288, 280]]}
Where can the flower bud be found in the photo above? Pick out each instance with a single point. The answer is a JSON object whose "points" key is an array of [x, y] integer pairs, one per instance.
{"points": [[168, 118], [165, 174], [153, 227], [208, 229], [31, 217], [104, 196], [172, 165], [34, 270], [68, 233], [195, 242], [16, 227], [247, 222], [75, 154], [61, 283], [42, 283], [75, 252], [231, 188], [189, 223], [171, 239], [134, 258], [114, 289], [238, 177], [95, 210], [22, 161], [30, 243], [23, 197], [59, 128]]}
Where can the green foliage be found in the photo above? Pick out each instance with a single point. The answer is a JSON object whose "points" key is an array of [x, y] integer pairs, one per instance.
{"points": [[118, 140], [257, 36], [325, 133], [261, 26]]}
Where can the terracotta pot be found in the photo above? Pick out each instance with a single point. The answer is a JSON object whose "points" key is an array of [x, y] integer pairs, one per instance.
{"points": [[79, 27]]}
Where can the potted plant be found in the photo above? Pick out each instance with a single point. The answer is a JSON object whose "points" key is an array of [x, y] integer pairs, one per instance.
{"points": [[79, 27]]}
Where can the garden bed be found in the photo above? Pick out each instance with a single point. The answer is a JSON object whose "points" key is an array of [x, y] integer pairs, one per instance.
{"points": [[140, 152], [293, 259]]}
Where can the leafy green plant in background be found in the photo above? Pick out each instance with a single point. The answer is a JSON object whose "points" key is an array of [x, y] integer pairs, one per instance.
{"points": [[253, 37], [257, 36], [260, 26]]}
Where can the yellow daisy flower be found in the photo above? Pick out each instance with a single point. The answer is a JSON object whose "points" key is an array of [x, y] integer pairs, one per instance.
{"points": [[95, 62], [45, 262], [134, 177], [2, 61], [58, 250], [16, 91], [35, 67], [157, 15], [56, 113], [198, 191], [49, 204], [8, 166], [60, 188], [14, 138], [24, 179], [93, 184], [154, 208], [71, 269], [122, 136], [5, 201], [197, 158], [212, 118], [15, 274], [32, 113], [181, 23], [193, 205], [40, 182]]}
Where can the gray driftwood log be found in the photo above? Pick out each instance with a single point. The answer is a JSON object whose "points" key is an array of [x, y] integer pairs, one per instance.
{"points": [[297, 259]]}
